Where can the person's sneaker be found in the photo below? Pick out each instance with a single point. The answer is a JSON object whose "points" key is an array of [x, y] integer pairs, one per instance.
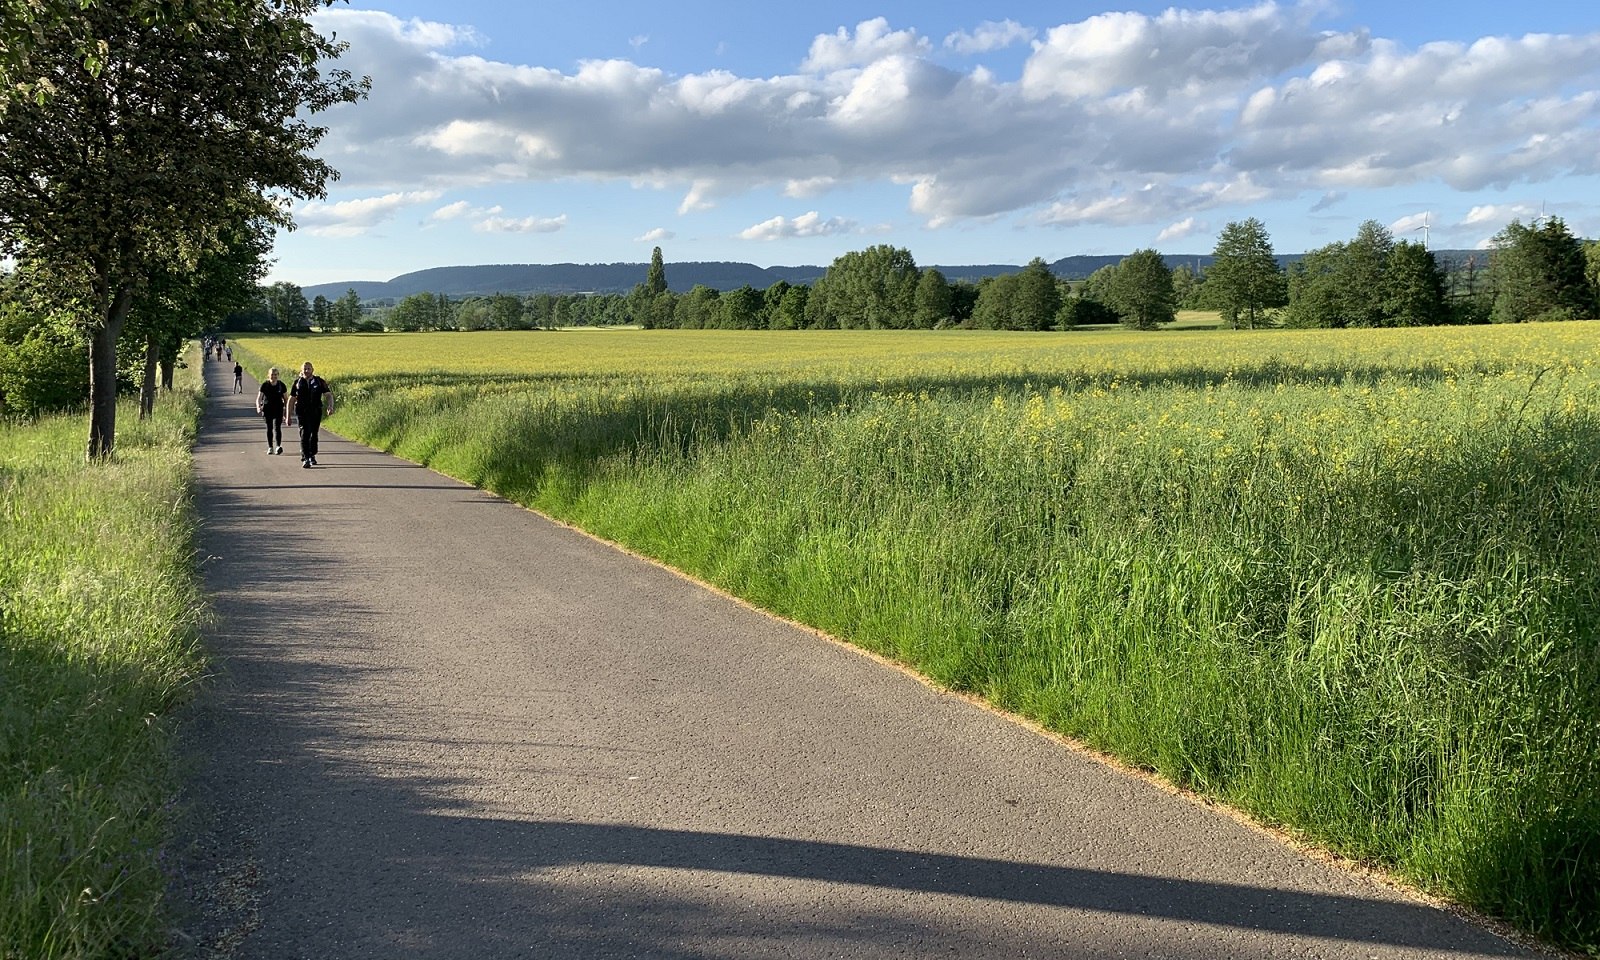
{"points": [[314, 462], [269, 451], [306, 463], [280, 449]]}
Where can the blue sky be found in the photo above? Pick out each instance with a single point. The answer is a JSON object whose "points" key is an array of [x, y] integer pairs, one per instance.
{"points": [[967, 133]]}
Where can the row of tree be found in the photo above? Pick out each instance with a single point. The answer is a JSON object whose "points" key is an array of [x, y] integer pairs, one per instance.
{"points": [[1537, 272], [147, 151]]}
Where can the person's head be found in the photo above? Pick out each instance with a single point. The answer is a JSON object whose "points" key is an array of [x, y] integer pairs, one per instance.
{"points": [[305, 369], [272, 374]]}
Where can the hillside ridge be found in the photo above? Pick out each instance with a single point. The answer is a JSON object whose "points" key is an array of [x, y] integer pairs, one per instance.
{"points": [[569, 278]]}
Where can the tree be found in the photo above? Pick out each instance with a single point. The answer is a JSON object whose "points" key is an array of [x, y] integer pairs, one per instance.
{"points": [[1538, 273], [932, 301], [698, 308], [1244, 280], [873, 288], [1141, 291], [655, 281], [997, 303], [740, 309], [133, 133], [345, 314], [321, 312], [1038, 299], [1313, 286], [1414, 288], [1360, 279], [790, 311]]}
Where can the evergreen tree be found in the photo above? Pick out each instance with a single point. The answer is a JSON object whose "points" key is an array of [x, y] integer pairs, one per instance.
{"points": [[655, 281], [1413, 288], [1538, 273], [1244, 279]]}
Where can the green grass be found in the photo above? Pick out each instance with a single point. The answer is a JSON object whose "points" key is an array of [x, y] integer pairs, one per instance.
{"points": [[1347, 582], [98, 640]]}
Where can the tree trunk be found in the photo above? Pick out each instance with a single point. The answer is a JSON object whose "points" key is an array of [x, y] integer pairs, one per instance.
{"points": [[103, 379], [147, 383], [166, 374]]}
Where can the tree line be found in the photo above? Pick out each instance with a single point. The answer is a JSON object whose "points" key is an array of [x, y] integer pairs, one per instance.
{"points": [[1531, 272]]}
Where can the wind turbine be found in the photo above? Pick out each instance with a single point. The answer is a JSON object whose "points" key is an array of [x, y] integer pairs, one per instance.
{"points": [[1424, 229]]}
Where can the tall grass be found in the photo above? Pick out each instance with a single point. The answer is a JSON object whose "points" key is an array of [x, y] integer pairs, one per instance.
{"points": [[98, 615], [1350, 583]]}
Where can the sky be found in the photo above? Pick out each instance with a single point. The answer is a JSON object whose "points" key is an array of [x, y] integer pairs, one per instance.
{"points": [[968, 132]]}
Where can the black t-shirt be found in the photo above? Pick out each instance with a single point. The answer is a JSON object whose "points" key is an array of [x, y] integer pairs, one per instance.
{"points": [[308, 393], [272, 395]]}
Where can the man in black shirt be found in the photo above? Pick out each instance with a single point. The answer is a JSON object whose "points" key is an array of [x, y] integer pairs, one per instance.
{"points": [[270, 404], [312, 398]]}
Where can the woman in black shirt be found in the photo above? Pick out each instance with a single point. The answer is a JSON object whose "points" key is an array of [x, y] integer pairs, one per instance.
{"points": [[270, 404]]}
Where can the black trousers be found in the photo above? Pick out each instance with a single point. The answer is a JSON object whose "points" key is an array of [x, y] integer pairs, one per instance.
{"points": [[308, 436], [274, 429]]}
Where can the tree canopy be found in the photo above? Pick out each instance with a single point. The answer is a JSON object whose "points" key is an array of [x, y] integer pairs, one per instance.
{"points": [[1244, 280], [133, 134]]}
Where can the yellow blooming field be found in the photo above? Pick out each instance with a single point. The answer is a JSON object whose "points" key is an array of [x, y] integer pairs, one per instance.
{"points": [[1346, 580]]}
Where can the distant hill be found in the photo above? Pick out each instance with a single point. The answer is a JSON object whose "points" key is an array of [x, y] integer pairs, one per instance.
{"points": [[562, 278]]}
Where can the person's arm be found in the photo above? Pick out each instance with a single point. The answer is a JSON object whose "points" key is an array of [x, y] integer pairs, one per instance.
{"points": [[327, 402]]}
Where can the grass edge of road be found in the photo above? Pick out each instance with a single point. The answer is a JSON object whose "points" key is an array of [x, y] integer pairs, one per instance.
{"points": [[100, 617]]}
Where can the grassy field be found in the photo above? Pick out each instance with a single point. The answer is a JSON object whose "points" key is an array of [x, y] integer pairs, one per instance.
{"points": [[98, 616], [1346, 580]]}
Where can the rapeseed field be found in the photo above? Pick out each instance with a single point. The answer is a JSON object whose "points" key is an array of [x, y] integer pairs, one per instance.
{"points": [[1348, 581]]}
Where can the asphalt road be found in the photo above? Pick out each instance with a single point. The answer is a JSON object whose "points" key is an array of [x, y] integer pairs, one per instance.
{"points": [[443, 726]]}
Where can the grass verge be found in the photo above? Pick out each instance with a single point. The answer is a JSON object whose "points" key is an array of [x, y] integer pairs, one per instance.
{"points": [[99, 615]]}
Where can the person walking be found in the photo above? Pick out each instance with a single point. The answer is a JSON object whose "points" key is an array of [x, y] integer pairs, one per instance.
{"points": [[238, 378], [312, 399], [271, 404]]}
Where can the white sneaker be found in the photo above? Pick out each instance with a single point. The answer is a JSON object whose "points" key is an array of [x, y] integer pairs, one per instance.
{"points": [[280, 449]]}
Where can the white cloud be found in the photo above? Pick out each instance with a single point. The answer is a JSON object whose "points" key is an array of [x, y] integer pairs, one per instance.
{"points": [[806, 225], [522, 225], [348, 218], [990, 36], [808, 187], [1121, 118], [872, 41], [655, 236], [461, 209], [1499, 214], [1187, 227]]}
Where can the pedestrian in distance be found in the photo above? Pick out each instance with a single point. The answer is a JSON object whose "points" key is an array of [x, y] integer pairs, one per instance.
{"points": [[238, 378], [271, 404], [311, 398]]}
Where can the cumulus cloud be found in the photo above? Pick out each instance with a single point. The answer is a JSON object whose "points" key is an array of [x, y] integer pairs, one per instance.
{"points": [[520, 225], [872, 41], [655, 236], [348, 218], [806, 225], [1119, 118], [990, 36]]}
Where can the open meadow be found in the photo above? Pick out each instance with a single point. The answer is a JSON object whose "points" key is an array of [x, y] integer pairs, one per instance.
{"points": [[1348, 581]]}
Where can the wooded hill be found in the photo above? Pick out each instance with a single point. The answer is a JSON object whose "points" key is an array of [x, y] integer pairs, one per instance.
{"points": [[564, 278]]}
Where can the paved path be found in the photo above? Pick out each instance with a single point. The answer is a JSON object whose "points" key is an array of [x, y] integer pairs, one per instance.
{"points": [[446, 727]]}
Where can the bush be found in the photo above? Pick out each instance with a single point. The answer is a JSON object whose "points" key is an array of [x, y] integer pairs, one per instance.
{"points": [[46, 371]]}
